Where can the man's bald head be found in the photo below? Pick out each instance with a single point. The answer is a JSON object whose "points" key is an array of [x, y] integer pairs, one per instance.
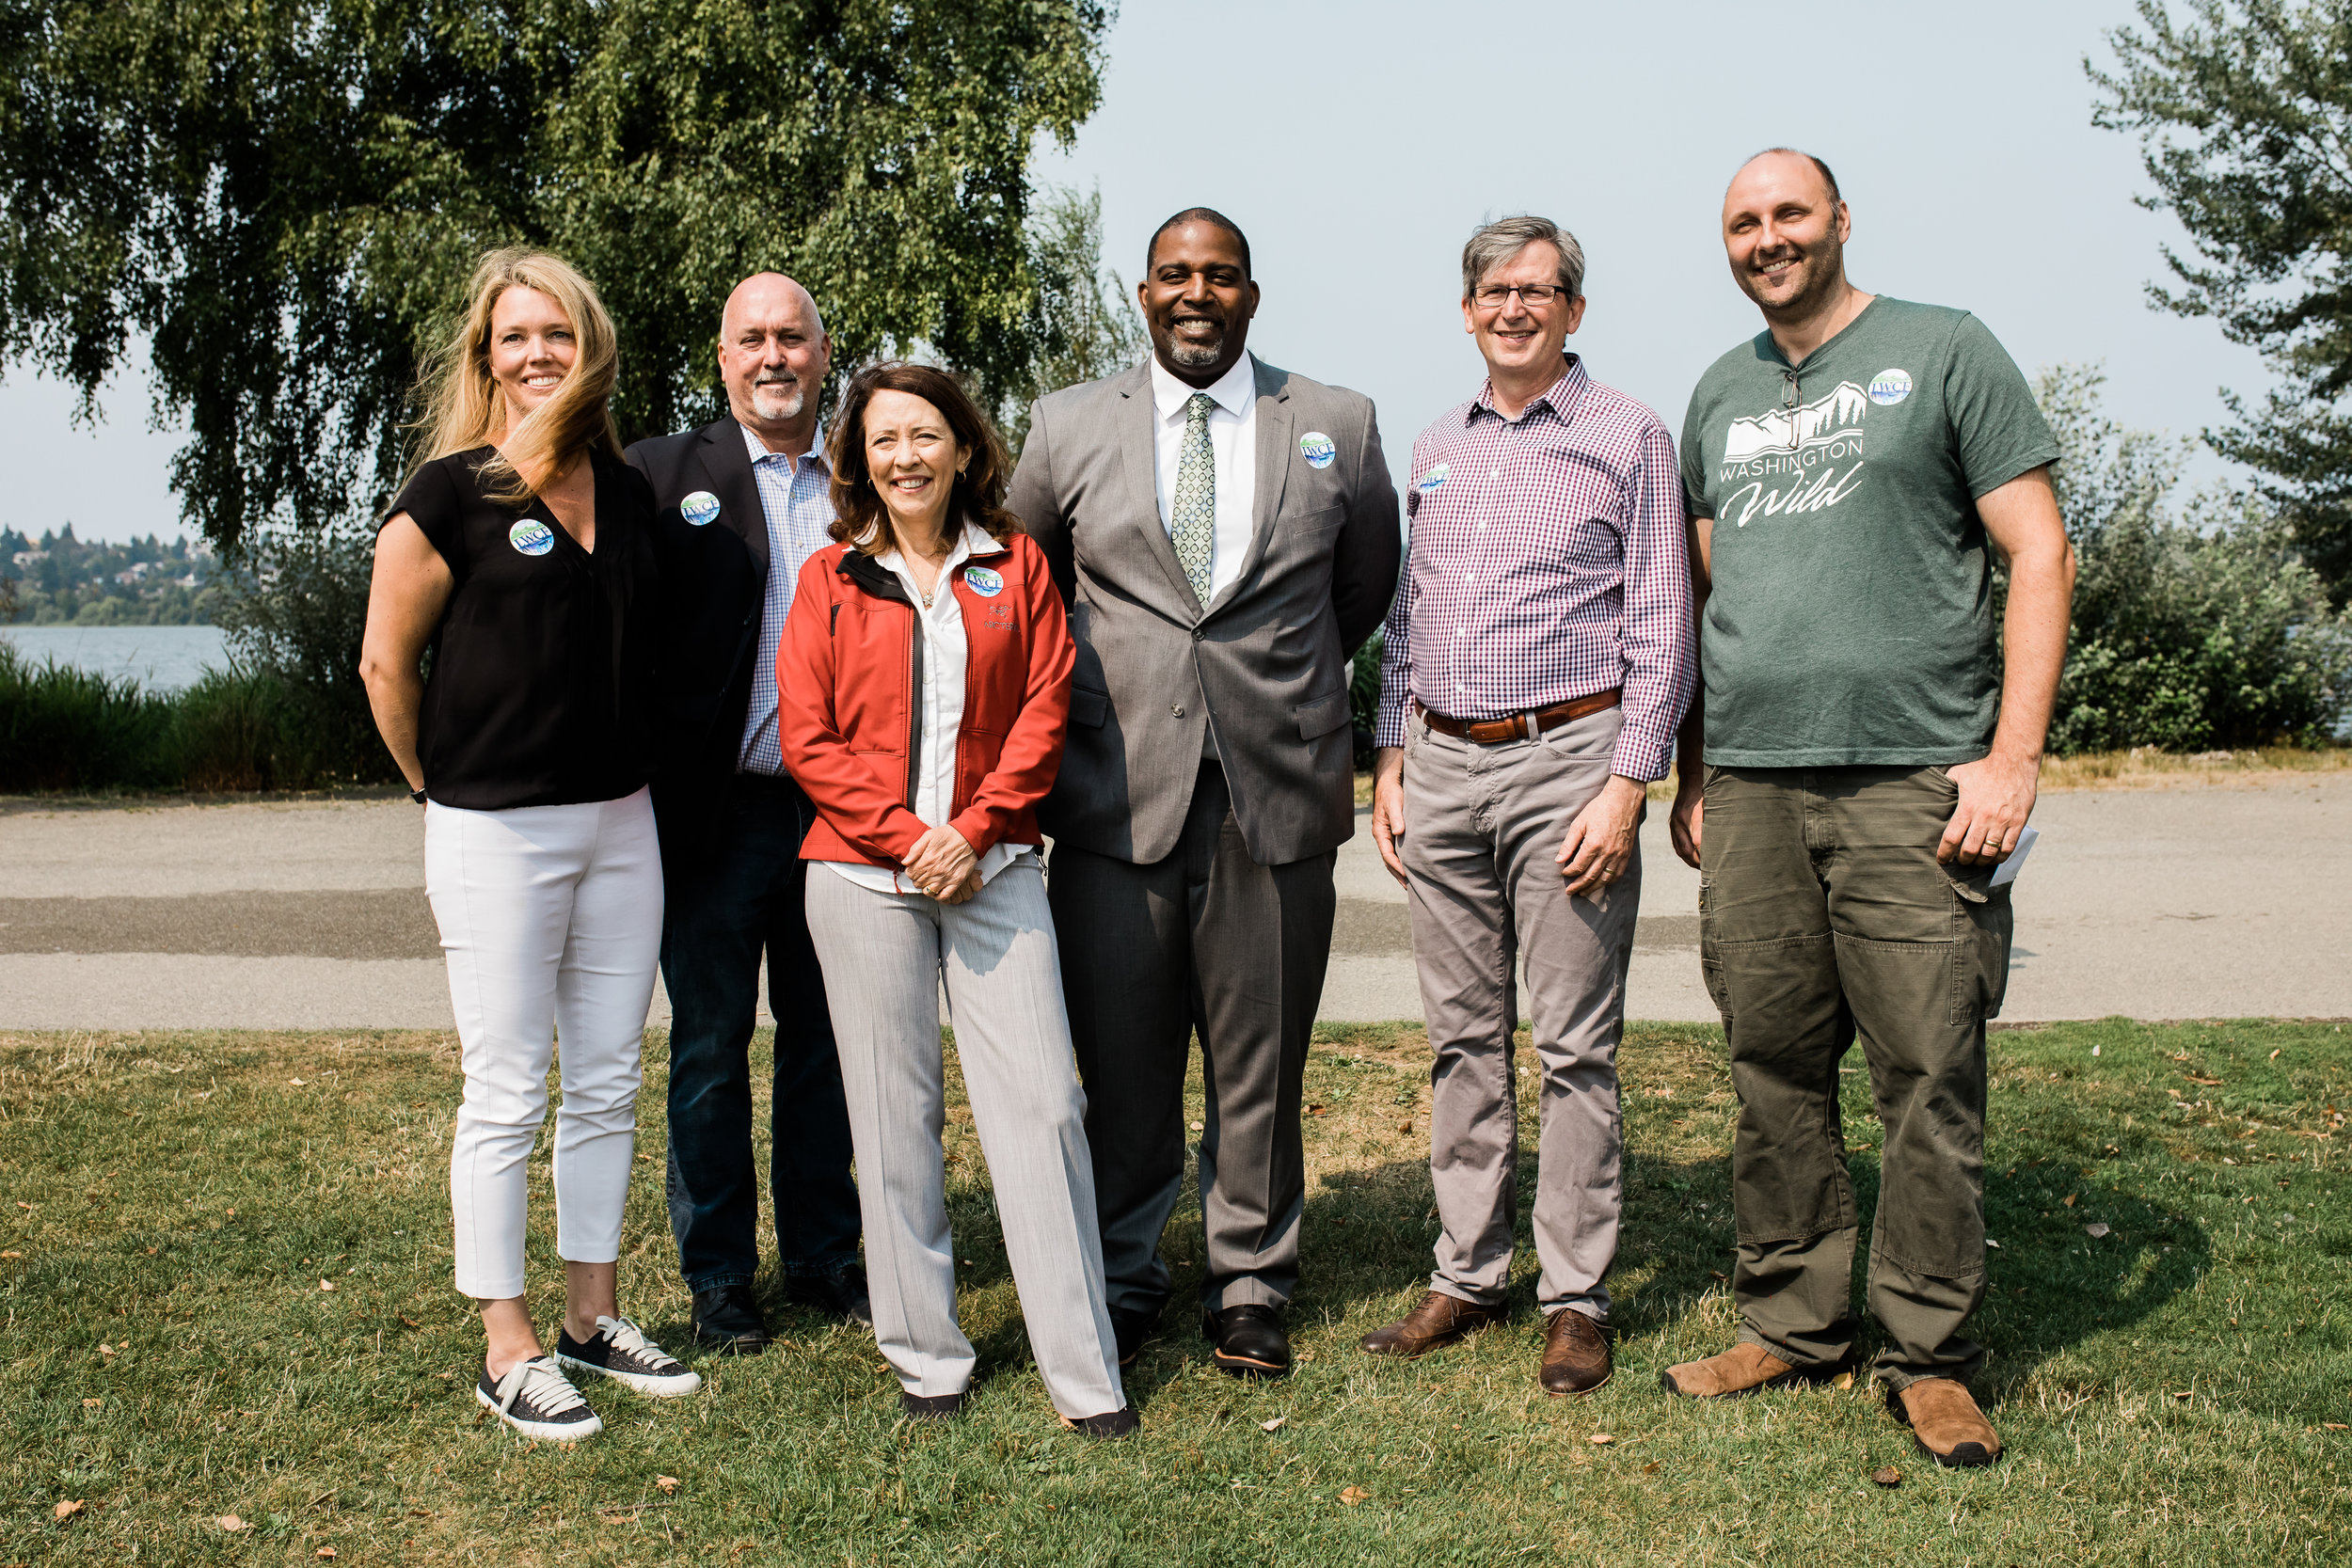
{"points": [[773, 353], [1819, 168]]}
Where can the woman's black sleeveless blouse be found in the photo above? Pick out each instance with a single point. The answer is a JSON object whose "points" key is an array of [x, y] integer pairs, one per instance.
{"points": [[541, 687]]}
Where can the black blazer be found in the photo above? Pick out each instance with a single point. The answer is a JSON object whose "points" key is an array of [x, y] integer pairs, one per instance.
{"points": [[714, 581]]}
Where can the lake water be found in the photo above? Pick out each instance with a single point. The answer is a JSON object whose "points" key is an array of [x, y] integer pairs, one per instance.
{"points": [[162, 659]]}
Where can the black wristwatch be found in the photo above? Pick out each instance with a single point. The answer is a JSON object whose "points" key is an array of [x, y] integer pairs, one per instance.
{"points": [[418, 795]]}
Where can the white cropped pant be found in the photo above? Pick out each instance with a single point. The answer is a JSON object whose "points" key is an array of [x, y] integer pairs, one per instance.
{"points": [[551, 919]]}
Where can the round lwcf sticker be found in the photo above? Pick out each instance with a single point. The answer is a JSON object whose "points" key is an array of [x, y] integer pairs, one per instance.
{"points": [[1316, 448], [984, 581], [1890, 387], [531, 538], [699, 508]]}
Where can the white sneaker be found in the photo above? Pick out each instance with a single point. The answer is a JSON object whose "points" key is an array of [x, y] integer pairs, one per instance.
{"points": [[538, 1401], [619, 1351]]}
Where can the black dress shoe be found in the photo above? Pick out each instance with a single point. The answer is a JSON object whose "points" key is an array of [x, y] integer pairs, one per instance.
{"points": [[837, 1292], [1248, 1339], [1111, 1423], [1130, 1328], [727, 1320], [930, 1407]]}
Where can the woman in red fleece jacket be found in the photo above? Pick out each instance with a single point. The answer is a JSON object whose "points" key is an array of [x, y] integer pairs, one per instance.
{"points": [[923, 691]]}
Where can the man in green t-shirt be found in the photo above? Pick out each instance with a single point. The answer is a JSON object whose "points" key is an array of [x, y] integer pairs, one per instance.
{"points": [[1859, 762]]}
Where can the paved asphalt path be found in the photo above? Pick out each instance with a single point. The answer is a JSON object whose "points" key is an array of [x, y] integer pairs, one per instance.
{"points": [[2197, 901]]}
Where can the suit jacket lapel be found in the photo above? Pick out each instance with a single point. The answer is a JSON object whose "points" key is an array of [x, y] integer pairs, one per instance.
{"points": [[1138, 448], [729, 465], [1273, 470]]}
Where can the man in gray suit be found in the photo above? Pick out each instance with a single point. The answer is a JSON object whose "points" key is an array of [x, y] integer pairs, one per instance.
{"points": [[1225, 535]]}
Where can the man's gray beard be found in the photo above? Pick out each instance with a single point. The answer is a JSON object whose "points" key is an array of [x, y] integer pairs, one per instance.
{"points": [[764, 394], [1194, 356]]}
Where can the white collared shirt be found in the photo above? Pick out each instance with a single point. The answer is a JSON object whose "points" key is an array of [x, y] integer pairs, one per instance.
{"points": [[1233, 439], [945, 652]]}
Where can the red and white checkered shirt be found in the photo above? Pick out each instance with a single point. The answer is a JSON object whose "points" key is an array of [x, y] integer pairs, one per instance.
{"points": [[1545, 563]]}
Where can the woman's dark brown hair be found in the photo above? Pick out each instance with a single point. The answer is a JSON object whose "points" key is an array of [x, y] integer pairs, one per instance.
{"points": [[859, 517]]}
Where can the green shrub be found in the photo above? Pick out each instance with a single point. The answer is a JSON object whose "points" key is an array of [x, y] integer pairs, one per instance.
{"points": [[2190, 634], [63, 728], [296, 616]]}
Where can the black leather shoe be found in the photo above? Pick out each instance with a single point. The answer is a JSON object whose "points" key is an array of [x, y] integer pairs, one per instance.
{"points": [[930, 1407], [1111, 1423], [727, 1320], [1248, 1339], [838, 1293], [1130, 1328]]}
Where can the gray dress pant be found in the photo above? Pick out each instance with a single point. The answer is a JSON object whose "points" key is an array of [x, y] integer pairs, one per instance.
{"points": [[884, 956], [1482, 825], [1207, 940]]}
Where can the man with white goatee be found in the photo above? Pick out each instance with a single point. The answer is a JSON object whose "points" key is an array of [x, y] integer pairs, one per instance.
{"points": [[745, 501]]}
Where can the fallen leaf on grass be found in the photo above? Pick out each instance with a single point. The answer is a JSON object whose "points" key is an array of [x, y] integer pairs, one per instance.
{"points": [[1718, 1274], [1994, 1245], [2068, 1200], [1405, 1127], [11, 1254], [2095, 1230], [2184, 1393], [1318, 1110], [295, 1082], [1305, 1356], [1199, 1126], [1886, 1475], [409, 1320], [1601, 1439], [94, 1404], [1845, 1380], [326, 1283], [2334, 1426], [665, 1484], [230, 1523], [1353, 1496], [1274, 1425], [1650, 1468], [68, 1509], [325, 1551], [2203, 1082], [2274, 1055], [150, 1252], [106, 1349], [1662, 1094]]}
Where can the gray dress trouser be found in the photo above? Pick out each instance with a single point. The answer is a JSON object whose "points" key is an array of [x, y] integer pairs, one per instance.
{"points": [[1204, 938], [884, 956], [1483, 825]]}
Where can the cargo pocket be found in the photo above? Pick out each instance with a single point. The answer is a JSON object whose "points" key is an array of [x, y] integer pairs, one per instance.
{"points": [[1711, 957], [1982, 925]]}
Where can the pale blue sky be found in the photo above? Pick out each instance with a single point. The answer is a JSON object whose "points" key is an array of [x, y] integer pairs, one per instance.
{"points": [[1357, 144]]}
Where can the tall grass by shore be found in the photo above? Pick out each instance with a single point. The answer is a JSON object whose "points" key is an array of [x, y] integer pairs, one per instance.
{"points": [[64, 729]]}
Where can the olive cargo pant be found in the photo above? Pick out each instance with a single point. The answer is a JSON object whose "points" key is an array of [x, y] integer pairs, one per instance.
{"points": [[1823, 915]]}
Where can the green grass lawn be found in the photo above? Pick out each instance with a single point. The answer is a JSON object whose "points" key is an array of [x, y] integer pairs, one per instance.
{"points": [[226, 1292]]}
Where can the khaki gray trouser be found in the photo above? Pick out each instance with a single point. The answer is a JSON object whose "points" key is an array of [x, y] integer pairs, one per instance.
{"points": [[1824, 915], [885, 956], [1482, 825]]}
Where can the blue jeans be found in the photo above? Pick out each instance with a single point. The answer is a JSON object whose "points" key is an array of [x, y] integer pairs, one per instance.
{"points": [[742, 894]]}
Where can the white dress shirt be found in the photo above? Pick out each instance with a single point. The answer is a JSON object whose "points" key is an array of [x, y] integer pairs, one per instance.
{"points": [[946, 652], [1233, 441]]}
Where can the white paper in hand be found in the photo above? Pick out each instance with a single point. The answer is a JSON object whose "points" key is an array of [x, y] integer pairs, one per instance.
{"points": [[2006, 871]]}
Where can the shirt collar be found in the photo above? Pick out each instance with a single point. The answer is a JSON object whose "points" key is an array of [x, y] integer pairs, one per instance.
{"points": [[977, 541], [1234, 391], [1561, 396], [815, 457]]}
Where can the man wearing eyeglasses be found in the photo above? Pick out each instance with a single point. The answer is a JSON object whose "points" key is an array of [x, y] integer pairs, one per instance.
{"points": [[1859, 763], [1538, 659]]}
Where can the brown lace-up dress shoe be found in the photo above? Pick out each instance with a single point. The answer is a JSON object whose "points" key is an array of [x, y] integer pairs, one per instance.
{"points": [[1439, 1320], [1576, 1355], [1741, 1370], [1944, 1418]]}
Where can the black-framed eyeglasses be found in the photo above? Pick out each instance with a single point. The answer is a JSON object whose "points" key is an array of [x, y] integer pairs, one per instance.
{"points": [[1495, 295]]}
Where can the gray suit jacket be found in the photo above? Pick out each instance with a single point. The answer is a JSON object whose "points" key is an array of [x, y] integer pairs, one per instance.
{"points": [[1268, 660]]}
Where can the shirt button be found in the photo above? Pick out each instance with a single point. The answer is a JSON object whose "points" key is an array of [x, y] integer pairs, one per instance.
{"points": [[1197, 634], [1176, 712], [1461, 631]]}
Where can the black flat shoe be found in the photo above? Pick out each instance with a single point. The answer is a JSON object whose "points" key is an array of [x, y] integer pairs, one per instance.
{"points": [[727, 1320], [930, 1407], [1130, 1328], [1110, 1424], [1248, 1339], [838, 1293]]}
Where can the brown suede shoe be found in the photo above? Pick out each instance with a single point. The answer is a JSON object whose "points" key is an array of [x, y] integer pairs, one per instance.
{"points": [[1576, 1355], [1945, 1420], [1439, 1320], [1741, 1370]]}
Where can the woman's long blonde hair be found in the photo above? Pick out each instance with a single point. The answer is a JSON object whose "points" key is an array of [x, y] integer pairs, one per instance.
{"points": [[464, 409]]}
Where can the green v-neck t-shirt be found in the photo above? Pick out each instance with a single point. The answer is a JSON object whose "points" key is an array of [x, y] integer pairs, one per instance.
{"points": [[1850, 620]]}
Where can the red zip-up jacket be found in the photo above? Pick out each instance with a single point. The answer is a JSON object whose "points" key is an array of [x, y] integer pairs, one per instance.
{"points": [[848, 687]]}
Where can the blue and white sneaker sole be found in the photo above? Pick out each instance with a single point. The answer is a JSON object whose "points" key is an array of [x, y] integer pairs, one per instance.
{"points": [[544, 1432], [658, 1385]]}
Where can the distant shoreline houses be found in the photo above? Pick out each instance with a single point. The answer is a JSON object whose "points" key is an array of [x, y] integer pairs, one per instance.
{"points": [[61, 580]]}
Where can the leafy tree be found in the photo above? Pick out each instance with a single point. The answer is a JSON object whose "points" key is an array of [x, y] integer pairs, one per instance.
{"points": [[2244, 112], [2189, 634], [285, 197], [1084, 323]]}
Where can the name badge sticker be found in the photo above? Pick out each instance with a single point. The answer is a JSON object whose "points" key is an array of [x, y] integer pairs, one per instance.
{"points": [[1316, 448], [699, 508], [1435, 477], [1890, 387], [531, 538], [984, 581]]}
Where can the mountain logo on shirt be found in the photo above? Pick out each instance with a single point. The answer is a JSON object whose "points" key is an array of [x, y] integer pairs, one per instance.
{"points": [[699, 508], [1799, 460], [1786, 430], [531, 538]]}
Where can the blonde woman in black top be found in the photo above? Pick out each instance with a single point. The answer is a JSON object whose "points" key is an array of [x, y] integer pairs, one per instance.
{"points": [[522, 555]]}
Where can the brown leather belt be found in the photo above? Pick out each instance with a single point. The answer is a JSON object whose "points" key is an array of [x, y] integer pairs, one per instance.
{"points": [[1521, 726]]}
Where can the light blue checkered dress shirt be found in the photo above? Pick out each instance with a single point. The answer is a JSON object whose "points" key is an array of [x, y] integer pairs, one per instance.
{"points": [[797, 498]]}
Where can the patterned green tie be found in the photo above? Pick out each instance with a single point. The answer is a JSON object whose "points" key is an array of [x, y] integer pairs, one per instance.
{"points": [[1194, 526]]}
